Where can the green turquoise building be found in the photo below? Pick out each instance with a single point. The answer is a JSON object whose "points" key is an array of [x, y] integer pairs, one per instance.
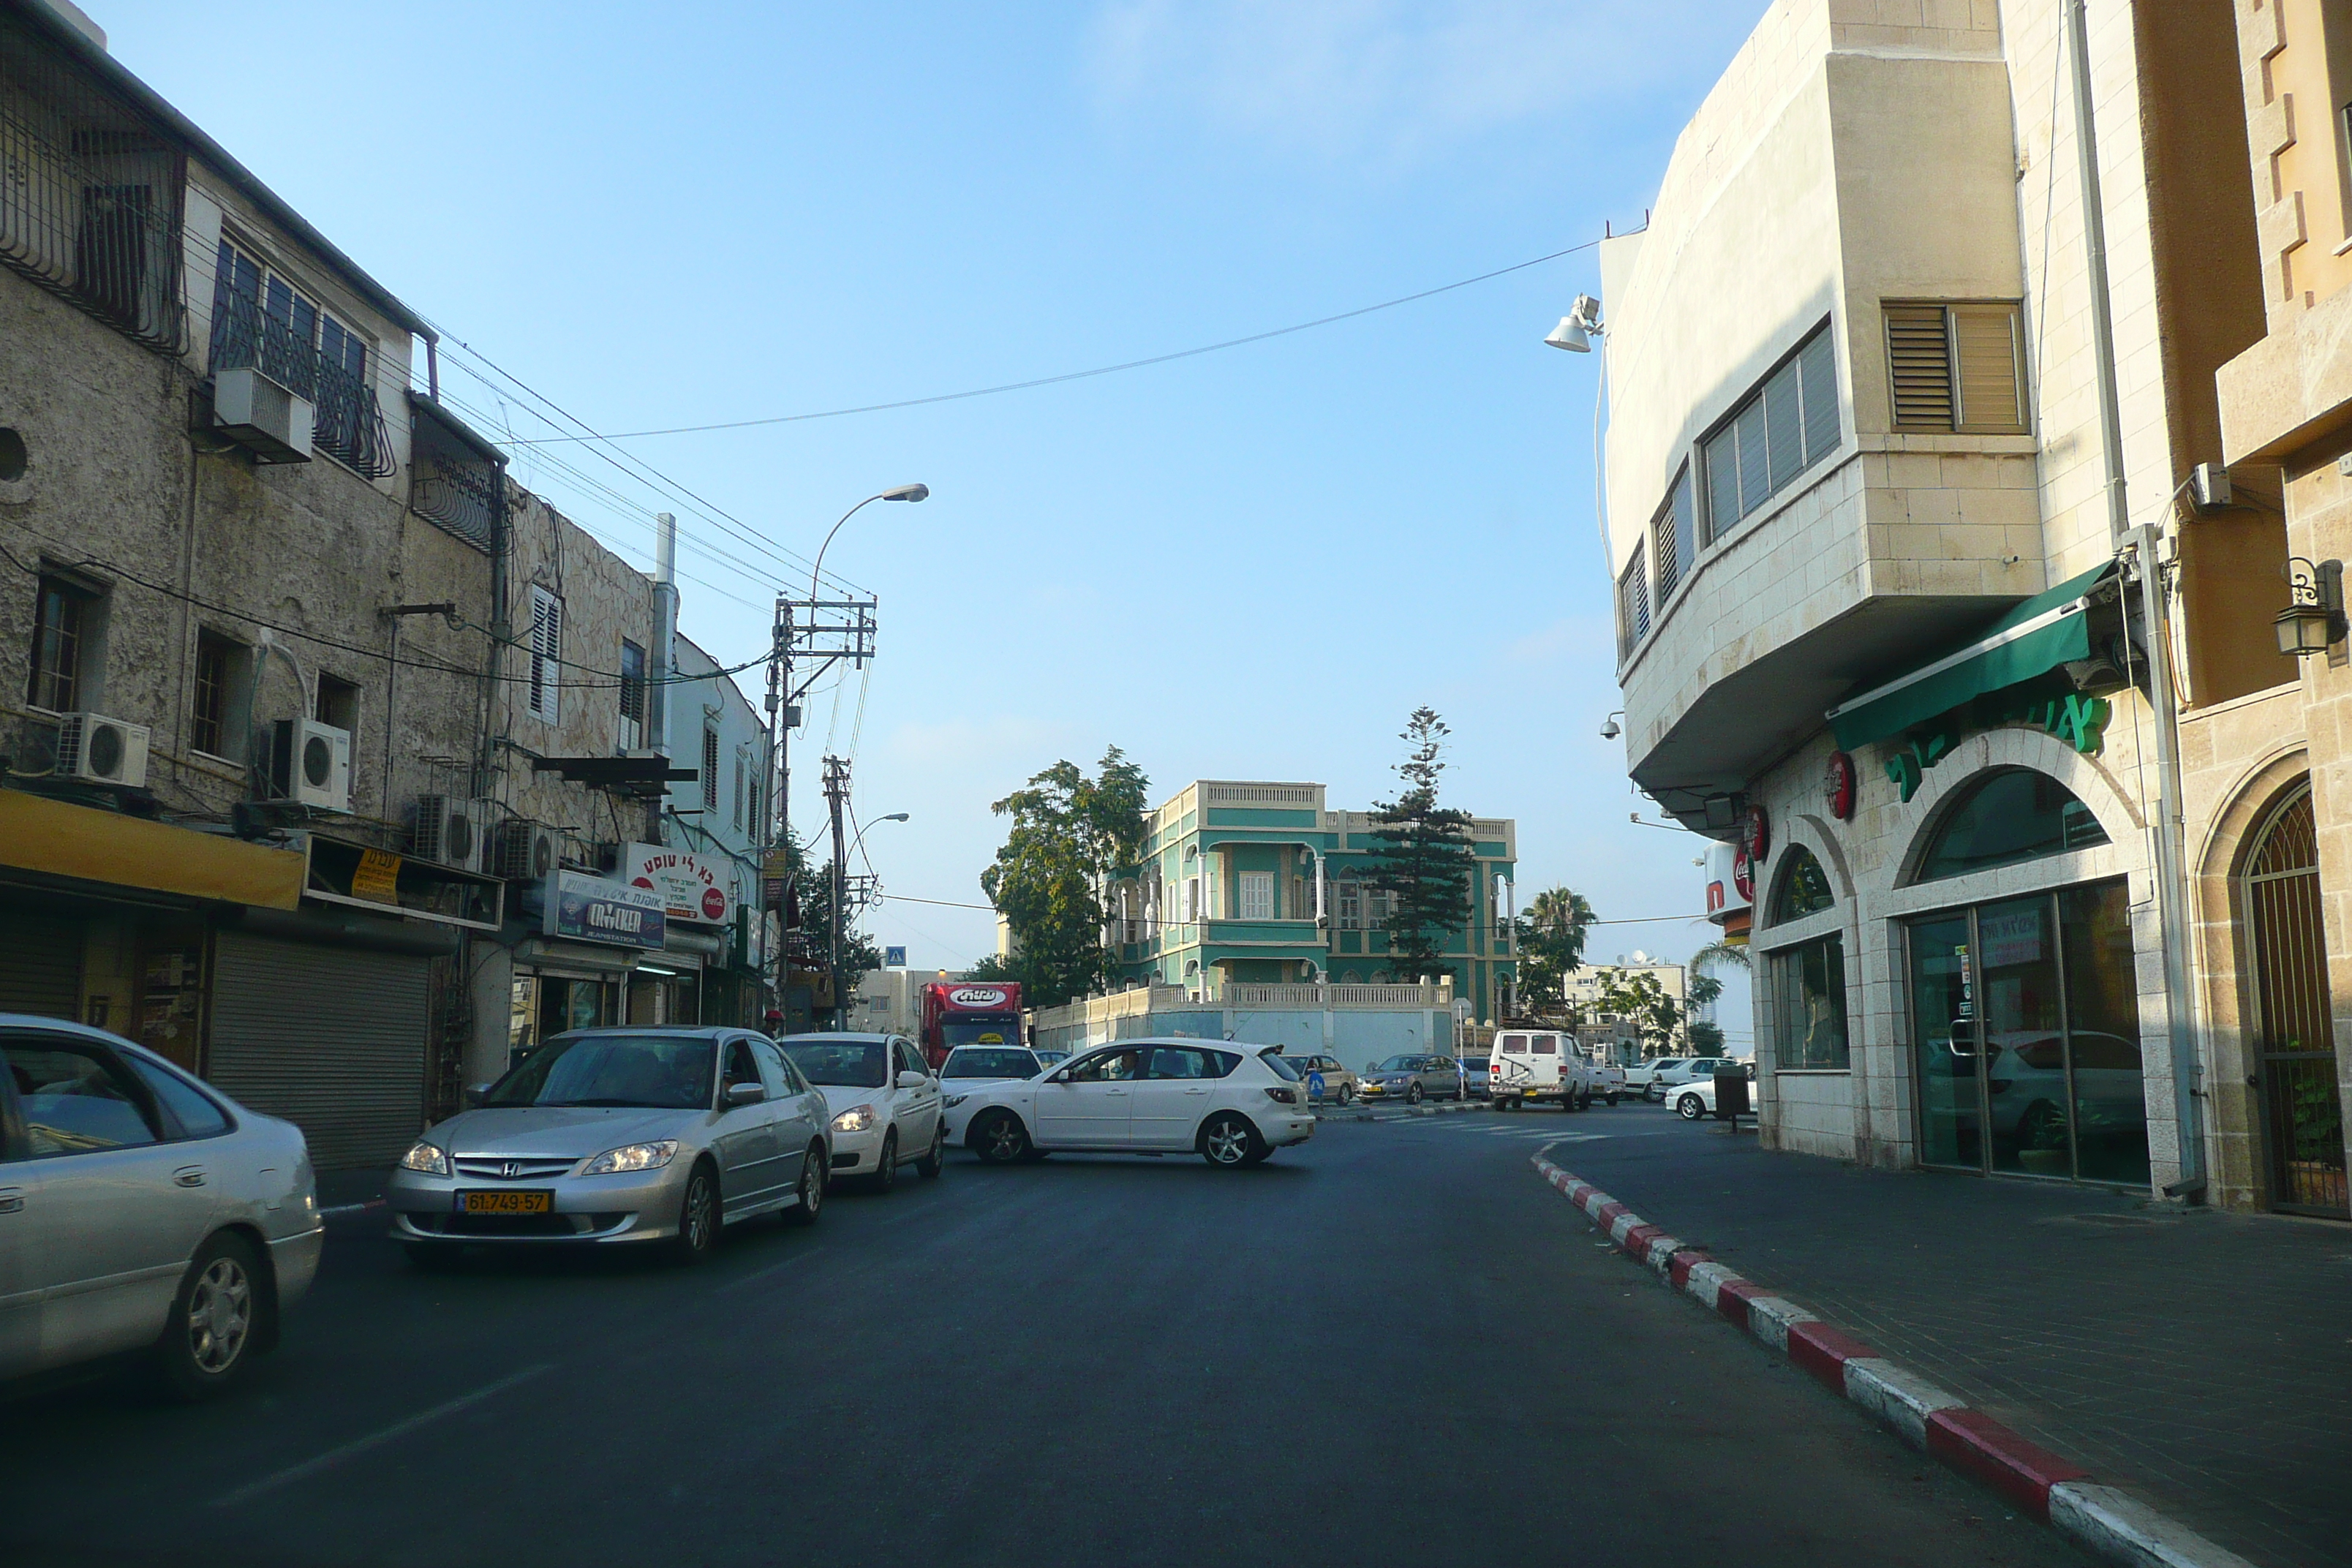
{"points": [[1256, 884]]}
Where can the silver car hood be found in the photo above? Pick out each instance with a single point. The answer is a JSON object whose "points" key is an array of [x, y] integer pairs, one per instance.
{"points": [[556, 1131]]}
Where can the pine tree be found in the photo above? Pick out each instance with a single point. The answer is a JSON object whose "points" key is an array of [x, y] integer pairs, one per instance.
{"points": [[1424, 860]]}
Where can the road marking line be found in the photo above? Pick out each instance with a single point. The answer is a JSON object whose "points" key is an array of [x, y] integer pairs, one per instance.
{"points": [[351, 1450]]}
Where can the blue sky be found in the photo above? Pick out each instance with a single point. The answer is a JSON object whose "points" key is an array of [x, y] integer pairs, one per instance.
{"points": [[1253, 564]]}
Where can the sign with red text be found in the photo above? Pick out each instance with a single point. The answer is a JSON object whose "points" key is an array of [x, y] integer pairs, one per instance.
{"points": [[696, 887]]}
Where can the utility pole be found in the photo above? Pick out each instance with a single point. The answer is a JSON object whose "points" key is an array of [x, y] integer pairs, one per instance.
{"points": [[811, 636], [837, 795]]}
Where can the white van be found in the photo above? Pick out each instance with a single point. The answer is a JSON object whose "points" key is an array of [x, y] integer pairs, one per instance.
{"points": [[1541, 1066]]}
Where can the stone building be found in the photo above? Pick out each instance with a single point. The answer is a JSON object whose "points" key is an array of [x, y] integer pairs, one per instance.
{"points": [[305, 705], [1923, 599]]}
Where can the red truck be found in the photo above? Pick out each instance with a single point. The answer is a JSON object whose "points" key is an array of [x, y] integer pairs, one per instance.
{"points": [[970, 1012]]}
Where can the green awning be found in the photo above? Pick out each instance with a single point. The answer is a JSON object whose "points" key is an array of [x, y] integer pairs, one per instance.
{"points": [[2036, 638]]}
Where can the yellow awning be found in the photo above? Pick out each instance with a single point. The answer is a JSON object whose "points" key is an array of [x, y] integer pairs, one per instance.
{"points": [[58, 839]]}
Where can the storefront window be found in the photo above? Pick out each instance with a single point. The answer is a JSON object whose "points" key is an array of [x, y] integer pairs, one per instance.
{"points": [[2008, 816], [1809, 1004], [2025, 1027]]}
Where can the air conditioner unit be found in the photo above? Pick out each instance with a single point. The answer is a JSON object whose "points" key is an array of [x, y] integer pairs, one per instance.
{"points": [[450, 829], [526, 851], [310, 763], [96, 749], [257, 413]]}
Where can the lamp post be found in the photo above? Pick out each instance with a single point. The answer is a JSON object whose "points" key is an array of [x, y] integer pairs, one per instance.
{"points": [[2314, 618]]}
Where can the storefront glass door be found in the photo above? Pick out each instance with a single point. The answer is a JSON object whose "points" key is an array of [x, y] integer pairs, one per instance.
{"points": [[2025, 1024]]}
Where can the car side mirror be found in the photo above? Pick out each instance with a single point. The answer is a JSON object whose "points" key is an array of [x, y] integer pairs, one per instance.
{"points": [[912, 1081], [745, 1094], [475, 1093]]}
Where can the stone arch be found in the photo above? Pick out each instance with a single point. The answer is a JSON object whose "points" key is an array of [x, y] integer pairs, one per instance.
{"points": [[2087, 778]]}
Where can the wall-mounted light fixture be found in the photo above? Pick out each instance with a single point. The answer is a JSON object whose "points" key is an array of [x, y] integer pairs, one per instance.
{"points": [[2315, 618], [1575, 331]]}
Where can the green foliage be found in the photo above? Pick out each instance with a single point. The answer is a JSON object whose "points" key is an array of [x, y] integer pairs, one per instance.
{"points": [[1423, 857], [1069, 833], [1640, 1000], [1706, 1037], [811, 942], [1551, 932], [995, 966]]}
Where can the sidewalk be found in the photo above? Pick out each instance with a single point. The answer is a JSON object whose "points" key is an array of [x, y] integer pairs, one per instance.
{"points": [[2201, 1360]]}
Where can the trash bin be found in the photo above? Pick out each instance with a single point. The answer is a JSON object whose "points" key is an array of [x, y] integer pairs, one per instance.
{"points": [[1731, 1092]]}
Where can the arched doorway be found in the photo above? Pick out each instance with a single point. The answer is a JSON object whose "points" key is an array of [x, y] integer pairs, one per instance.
{"points": [[2293, 1033]]}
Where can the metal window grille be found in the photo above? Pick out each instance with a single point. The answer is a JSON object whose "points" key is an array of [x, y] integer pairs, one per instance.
{"points": [[91, 193], [450, 484], [261, 322], [709, 768], [2294, 1025]]}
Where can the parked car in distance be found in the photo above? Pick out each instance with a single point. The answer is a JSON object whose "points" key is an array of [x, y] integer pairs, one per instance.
{"points": [[1640, 1075], [142, 1211], [1339, 1083], [885, 1104], [1231, 1104], [1475, 1071], [1413, 1078], [1695, 1096], [619, 1137], [976, 1066], [1676, 1071]]}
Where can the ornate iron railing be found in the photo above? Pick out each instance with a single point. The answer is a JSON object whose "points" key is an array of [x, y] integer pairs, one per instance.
{"points": [[346, 422]]}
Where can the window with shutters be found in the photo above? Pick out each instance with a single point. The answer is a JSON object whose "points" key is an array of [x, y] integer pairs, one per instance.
{"points": [[709, 768], [1673, 543], [1257, 895], [1957, 367], [1632, 603], [1772, 438], [631, 732], [544, 694]]}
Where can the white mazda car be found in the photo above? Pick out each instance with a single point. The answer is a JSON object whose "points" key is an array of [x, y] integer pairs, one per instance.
{"points": [[1231, 1104], [968, 1068]]}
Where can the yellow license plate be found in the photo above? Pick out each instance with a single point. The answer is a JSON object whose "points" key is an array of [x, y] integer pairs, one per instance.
{"points": [[506, 1203]]}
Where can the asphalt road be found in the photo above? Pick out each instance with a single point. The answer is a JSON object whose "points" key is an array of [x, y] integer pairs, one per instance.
{"points": [[1396, 1345]]}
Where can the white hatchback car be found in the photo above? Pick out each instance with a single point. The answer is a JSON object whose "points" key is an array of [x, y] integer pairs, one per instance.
{"points": [[885, 1102], [1231, 1104], [968, 1068]]}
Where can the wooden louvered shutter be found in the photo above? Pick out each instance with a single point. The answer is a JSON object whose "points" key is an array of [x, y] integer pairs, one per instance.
{"points": [[1919, 349], [1986, 338]]}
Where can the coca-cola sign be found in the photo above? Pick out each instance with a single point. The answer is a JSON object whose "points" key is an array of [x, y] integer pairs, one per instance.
{"points": [[699, 889]]}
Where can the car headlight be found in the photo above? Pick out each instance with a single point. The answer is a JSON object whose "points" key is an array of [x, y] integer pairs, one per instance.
{"points": [[632, 1157], [955, 1099], [857, 1118], [427, 1160]]}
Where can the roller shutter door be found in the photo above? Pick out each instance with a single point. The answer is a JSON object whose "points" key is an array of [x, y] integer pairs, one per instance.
{"points": [[40, 965], [330, 1038]]}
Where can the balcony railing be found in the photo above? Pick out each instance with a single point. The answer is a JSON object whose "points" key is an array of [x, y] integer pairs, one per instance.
{"points": [[345, 422]]}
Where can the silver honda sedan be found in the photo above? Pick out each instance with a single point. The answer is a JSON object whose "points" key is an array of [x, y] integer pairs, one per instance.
{"points": [[621, 1137], [142, 1210]]}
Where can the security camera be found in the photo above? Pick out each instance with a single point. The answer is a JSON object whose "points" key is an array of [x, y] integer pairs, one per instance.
{"points": [[1609, 732]]}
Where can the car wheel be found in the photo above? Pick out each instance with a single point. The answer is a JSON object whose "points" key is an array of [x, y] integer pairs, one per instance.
{"points": [[1346, 1095], [697, 1216], [219, 1320], [885, 1173], [1690, 1108], [931, 1164], [1229, 1142], [999, 1139], [812, 1188], [1613, 1099], [1412, 1095]]}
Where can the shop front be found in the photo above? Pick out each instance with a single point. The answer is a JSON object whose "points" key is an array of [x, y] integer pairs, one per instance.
{"points": [[580, 970], [2025, 1013]]}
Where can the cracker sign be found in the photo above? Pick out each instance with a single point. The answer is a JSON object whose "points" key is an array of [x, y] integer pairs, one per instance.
{"points": [[699, 889], [976, 997]]}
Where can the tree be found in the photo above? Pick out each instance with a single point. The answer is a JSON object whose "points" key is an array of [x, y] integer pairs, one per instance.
{"points": [[1706, 1037], [810, 941], [1551, 932], [1069, 835], [1422, 860], [1640, 1000]]}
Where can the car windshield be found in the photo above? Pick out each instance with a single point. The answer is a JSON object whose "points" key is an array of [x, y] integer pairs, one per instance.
{"points": [[972, 1063], [839, 1064], [979, 1032], [671, 1072], [1403, 1064]]}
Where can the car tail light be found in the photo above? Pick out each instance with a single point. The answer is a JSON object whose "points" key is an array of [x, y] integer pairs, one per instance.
{"points": [[1283, 1093]]}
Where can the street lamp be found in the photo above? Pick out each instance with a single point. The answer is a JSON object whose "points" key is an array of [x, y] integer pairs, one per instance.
{"points": [[1575, 331], [2314, 618], [896, 493]]}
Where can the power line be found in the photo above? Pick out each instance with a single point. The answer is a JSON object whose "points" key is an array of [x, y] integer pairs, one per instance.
{"points": [[1070, 375]]}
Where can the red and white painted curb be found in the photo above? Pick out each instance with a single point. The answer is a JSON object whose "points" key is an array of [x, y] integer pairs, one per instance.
{"points": [[2104, 1521]]}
